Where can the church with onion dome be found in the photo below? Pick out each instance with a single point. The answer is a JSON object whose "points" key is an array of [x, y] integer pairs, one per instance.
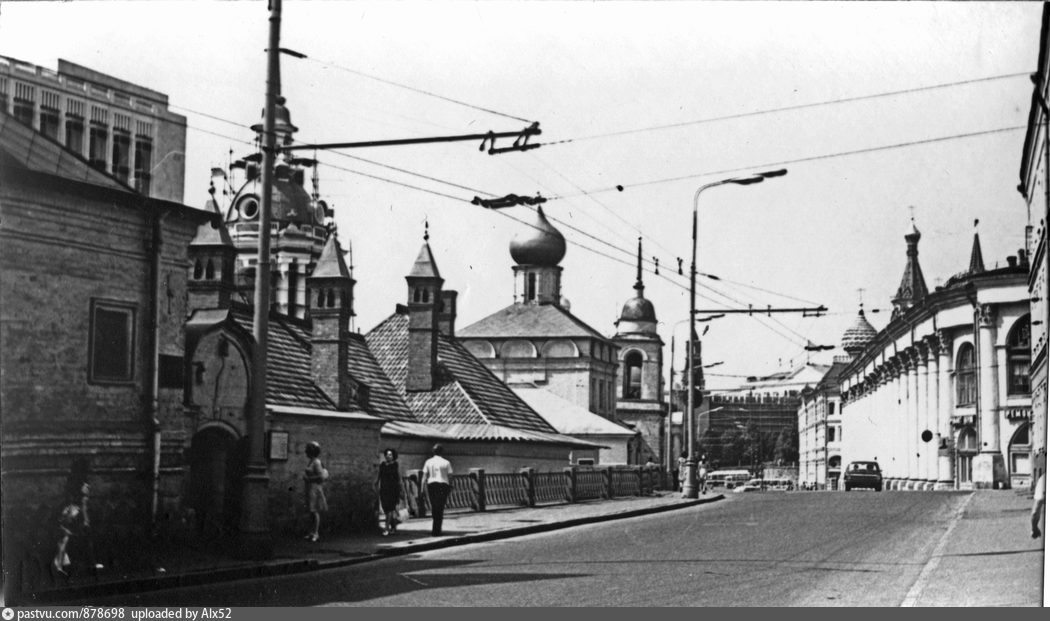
{"points": [[536, 343]]}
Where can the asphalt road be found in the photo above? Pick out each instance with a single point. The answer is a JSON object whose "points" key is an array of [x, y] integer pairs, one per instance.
{"points": [[761, 549]]}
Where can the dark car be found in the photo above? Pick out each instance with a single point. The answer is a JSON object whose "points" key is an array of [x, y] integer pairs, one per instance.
{"points": [[862, 474]]}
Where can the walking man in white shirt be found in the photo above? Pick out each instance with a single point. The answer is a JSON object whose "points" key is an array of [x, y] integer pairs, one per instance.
{"points": [[437, 477]]}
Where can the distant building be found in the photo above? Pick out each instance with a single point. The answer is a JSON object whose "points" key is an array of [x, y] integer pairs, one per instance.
{"points": [[820, 428], [1035, 187], [569, 419], [118, 127], [940, 397]]}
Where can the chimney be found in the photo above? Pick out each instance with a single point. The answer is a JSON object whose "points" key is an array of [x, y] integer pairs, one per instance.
{"points": [[212, 257], [424, 296], [447, 314], [329, 296]]}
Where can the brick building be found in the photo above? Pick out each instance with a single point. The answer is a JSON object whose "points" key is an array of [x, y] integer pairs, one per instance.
{"points": [[91, 339], [118, 127]]}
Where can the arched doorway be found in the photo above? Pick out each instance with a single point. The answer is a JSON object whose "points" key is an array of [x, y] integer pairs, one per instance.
{"points": [[1021, 457], [217, 468], [966, 448]]}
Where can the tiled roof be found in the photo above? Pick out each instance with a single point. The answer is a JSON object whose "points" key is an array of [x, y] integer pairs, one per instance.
{"points": [[288, 374], [530, 321], [468, 401], [383, 399]]}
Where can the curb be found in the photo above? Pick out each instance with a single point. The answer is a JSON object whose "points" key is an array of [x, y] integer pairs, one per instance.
{"points": [[285, 568]]}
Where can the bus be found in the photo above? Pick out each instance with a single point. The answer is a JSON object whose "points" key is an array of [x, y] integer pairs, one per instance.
{"points": [[728, 478]]}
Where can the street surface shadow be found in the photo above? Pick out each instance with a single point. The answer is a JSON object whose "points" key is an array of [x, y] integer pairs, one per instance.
{"points": [[999, 552]]}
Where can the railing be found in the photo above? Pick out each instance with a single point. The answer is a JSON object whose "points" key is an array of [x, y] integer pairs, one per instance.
{"points": [[479, 490]]}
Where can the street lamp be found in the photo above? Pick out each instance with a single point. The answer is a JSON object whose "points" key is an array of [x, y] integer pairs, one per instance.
{"points": [[689, 488]]}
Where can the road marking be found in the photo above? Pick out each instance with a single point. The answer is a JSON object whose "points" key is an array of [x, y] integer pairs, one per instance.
{"points": [[912, 598]]}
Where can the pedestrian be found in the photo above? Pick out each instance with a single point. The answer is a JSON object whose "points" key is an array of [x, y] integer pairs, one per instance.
{"points": [[681, 469], [1038, 505], [73, 520], [437, 478], [701, 474], [315, 476], [388, 486]]}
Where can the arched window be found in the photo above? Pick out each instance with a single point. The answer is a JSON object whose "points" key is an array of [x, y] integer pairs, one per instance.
{"points": [[632, 375], [530, 287], [965, 376], [209, 270], [1018, 357], [320, 298], [197, 270], [417, 295]]}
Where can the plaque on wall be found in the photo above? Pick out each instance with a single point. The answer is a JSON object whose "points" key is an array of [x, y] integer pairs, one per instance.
{"points": [[277, 446]]}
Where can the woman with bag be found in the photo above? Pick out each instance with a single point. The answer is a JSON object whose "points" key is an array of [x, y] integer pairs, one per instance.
{"points": [[388, 484], [315, 476]]}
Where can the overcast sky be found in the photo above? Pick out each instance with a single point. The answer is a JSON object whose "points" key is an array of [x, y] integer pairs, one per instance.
{"points": [[608, 78]]}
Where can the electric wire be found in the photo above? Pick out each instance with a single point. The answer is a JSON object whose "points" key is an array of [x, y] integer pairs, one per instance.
{"points": [[811, 158], [414, 89], [816, 104]]}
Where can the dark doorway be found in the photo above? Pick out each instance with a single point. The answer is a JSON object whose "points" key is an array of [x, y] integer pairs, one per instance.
{"points": [[217, 469]]}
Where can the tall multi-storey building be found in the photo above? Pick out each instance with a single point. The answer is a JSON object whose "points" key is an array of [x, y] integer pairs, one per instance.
{"points": [[1035, 187], [120, 128]]}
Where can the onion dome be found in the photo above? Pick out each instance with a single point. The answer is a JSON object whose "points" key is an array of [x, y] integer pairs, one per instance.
{"points": [[540, 244], [857, 336], [291, 204], [638, 309], [638, 314]]}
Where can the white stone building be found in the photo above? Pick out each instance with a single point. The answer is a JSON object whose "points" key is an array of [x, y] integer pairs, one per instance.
{"points": [[940, 397]]}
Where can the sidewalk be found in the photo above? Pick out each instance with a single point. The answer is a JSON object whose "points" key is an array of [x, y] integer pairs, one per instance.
{"points": [[988, 549], [181, 567]]}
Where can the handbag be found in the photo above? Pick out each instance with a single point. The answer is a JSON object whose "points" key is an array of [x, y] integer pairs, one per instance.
{"points": [[402, 514]]}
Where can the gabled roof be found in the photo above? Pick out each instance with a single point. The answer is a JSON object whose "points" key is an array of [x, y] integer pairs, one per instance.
{"points": [[212, 233], [383, 399], [468, 402], [530, 321]]}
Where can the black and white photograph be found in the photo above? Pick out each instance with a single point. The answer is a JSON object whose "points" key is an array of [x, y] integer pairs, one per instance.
{"points": [[522, 304]]}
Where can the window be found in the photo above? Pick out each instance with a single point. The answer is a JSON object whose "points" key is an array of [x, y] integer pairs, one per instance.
{"points": [[965, 376], [1018, 357], [75, 135], [831, 408], [112, 342], [121, 156], [530, 287], [49, 123], [143, 164], [97, 147], [831, 434], [632, 376]]}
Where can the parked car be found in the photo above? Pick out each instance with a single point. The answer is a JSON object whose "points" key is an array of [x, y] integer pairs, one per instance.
{"points": [[754, 485], [862, 474]]}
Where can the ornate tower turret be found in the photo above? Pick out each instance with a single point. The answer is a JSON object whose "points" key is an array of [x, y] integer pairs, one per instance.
{"points": [[212, 256], [913, 286], [424, 299], [331, 301]]}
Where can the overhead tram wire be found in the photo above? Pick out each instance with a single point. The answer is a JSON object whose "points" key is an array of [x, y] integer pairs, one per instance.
{"points": [[816, 104], [414, 89], [529, 224], [812, 158]]}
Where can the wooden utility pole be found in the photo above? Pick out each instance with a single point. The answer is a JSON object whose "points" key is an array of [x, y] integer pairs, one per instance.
{"points": [[254, 536]]}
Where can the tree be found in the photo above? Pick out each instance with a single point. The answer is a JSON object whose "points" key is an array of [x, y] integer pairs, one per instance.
{"points": [[785, 450]]}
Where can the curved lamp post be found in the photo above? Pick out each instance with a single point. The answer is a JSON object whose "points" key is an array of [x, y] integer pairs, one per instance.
{"points": [[689, 487]]}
